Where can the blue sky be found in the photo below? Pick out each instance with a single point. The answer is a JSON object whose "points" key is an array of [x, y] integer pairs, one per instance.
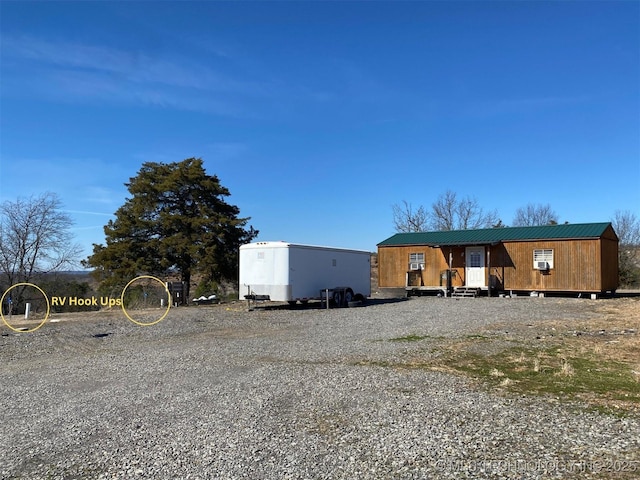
{"points": [[319, 116]]}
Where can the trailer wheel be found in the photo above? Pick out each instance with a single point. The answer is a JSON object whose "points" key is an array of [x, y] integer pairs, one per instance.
{"points": [[348, 296], [337, 298]]}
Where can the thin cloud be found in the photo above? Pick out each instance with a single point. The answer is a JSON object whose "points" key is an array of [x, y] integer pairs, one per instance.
{"points": [[135, 67], [69, 55], [524, 105], [85, 212], [75, 72], [89, 227]]}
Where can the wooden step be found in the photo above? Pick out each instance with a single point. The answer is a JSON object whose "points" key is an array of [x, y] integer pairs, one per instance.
{"points": [[468, 292]]}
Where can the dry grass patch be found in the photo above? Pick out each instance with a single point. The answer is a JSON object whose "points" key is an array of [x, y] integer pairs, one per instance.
{"points": [[595, 360]]}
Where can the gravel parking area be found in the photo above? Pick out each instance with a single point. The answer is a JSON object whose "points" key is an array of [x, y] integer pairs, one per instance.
{"points": [[219, 392]]}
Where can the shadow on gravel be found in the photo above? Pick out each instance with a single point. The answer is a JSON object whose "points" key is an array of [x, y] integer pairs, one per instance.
{"points": [[317, 305], [383, 301], [627, 294]]}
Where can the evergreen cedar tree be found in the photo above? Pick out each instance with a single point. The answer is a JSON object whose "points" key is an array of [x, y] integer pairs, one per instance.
{"points": [[176, 221]]}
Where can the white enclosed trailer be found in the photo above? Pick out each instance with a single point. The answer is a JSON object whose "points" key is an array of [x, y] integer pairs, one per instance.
{"points": [[288, 272]]}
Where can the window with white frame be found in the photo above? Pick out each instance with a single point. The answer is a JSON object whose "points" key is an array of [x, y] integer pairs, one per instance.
{"points": [[416, 261], [543, 258]]}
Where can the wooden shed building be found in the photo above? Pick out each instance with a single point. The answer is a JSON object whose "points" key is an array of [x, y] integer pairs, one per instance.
{"points": [[579, 258]]}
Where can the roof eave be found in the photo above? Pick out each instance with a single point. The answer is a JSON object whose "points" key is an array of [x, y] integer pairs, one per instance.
{"points": [[490, 243]]}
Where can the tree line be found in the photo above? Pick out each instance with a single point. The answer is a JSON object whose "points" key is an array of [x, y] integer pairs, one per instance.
{"points": [[450, 212], [177, 223]]}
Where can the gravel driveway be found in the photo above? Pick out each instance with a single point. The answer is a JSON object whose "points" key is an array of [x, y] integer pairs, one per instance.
{"points": [[219, 392]]}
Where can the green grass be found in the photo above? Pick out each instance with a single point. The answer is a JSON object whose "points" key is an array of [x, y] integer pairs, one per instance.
{"points": [[547, 371], [562, 371], [550, 372], [409, 338]]}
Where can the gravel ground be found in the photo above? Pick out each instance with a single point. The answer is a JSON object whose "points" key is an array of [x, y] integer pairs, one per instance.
{"points": [[219, 392]]}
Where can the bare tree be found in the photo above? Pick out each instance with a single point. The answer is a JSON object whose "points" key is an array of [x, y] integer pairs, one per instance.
{"points": [[450, 213], [406, 219], [535, 215], [34, 238], [627, 227]]}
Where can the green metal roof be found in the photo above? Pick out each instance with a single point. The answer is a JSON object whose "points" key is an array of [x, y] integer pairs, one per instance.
{"points": [[496, 235]]}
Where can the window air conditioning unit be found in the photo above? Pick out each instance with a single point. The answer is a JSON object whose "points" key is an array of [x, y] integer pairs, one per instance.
{"points": [[543, 266]]}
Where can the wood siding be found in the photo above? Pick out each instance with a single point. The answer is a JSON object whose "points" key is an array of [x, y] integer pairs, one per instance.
{"points": [[584, 265], [394, 266], [576, 266], [609, 259]]}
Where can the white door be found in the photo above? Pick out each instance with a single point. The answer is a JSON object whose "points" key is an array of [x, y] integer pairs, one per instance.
{"points": [[475, 267]]}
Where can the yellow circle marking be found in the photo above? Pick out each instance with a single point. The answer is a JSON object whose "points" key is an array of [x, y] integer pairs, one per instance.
{"points": [[45, 317], [168, 300]]}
